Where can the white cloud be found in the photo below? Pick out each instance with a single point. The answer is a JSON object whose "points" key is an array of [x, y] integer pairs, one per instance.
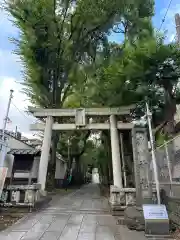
{"points": [[10, 76], [19, 98], [17, 113], [10, 64]]}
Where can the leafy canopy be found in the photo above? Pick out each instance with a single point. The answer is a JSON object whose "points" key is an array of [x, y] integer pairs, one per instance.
{"points": [[58, 35]]}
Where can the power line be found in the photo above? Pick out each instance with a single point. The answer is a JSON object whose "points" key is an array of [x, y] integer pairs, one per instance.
{"points": [[35, 134], [164, 18], [22, 113], [27, 117]]}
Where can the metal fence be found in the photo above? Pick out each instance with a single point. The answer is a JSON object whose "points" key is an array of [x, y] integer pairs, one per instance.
{"points": [[168, 165]]}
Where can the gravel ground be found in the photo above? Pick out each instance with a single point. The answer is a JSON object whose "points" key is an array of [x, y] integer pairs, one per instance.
{"points": [[8, 216], [176, 234]]}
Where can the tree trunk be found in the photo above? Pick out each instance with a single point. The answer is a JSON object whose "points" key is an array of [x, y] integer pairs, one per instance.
{"points": [[77, 172], [107, 143], [170, 110]]}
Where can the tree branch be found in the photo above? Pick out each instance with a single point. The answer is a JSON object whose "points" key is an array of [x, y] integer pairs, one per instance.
{"points": [[65, 93], [159, 127], [60, 50], [78, 154]]}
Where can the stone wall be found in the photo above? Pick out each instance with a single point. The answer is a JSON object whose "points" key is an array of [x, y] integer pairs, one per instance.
{"points": [[172, 204], [174, 210]]}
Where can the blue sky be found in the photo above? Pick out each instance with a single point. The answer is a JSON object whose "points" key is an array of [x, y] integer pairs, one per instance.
{"points": [[11, 69]]}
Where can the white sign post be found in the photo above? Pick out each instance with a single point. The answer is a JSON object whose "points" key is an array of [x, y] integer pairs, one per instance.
{"points": [[3, 174], [156, 220]]}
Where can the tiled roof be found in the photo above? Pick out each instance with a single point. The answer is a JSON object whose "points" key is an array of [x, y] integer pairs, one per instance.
{"points": [[24, 151]]}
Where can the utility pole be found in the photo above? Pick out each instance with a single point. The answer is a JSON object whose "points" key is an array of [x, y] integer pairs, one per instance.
{"points": [[149, 117], [177, 21], [4, 128], [169, 166]]}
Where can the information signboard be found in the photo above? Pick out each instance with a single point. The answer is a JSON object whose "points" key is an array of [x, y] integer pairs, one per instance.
{"points": [[156, 220], [154, 211]]}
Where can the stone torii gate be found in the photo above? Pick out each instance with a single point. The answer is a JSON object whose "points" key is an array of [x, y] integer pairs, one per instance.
{"points": [[81, 120]]}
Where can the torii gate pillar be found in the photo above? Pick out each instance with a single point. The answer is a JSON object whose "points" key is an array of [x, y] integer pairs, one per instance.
{"points": [[43, 165], [115, 149]]}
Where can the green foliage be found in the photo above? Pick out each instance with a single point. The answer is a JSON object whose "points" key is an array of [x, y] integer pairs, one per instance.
{"points": [[68, 61], [147, 71], [136, 21], [74, 142], [51, 43], [155, 73], [161, 138], [90, 156], [96, 155], [57, 35]]}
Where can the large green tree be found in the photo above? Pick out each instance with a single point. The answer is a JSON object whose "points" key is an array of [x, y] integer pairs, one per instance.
{"points": [[148, 70], [59, 38], [56, 35]]}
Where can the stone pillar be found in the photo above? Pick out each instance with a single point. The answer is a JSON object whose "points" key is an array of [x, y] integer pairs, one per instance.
{"points": [[115, 149], [123, 160], [43, 165], [141, 157]]}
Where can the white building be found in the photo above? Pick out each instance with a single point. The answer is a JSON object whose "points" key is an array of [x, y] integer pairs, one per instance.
{"points": [[22, 160]]}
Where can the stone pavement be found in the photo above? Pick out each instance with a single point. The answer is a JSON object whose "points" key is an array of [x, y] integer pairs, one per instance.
{"points": [[82, 215]]}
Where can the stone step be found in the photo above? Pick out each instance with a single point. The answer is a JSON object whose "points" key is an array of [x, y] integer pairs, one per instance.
{"points": [[159, 237], [77, 212]]}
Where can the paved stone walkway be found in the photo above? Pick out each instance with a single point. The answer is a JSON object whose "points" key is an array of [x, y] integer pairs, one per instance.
{"points": [[83, 215]]}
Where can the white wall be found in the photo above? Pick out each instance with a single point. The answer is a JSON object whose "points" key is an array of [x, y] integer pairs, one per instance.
{"points": [[35, 167], [21, 175], [9, 160]]}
